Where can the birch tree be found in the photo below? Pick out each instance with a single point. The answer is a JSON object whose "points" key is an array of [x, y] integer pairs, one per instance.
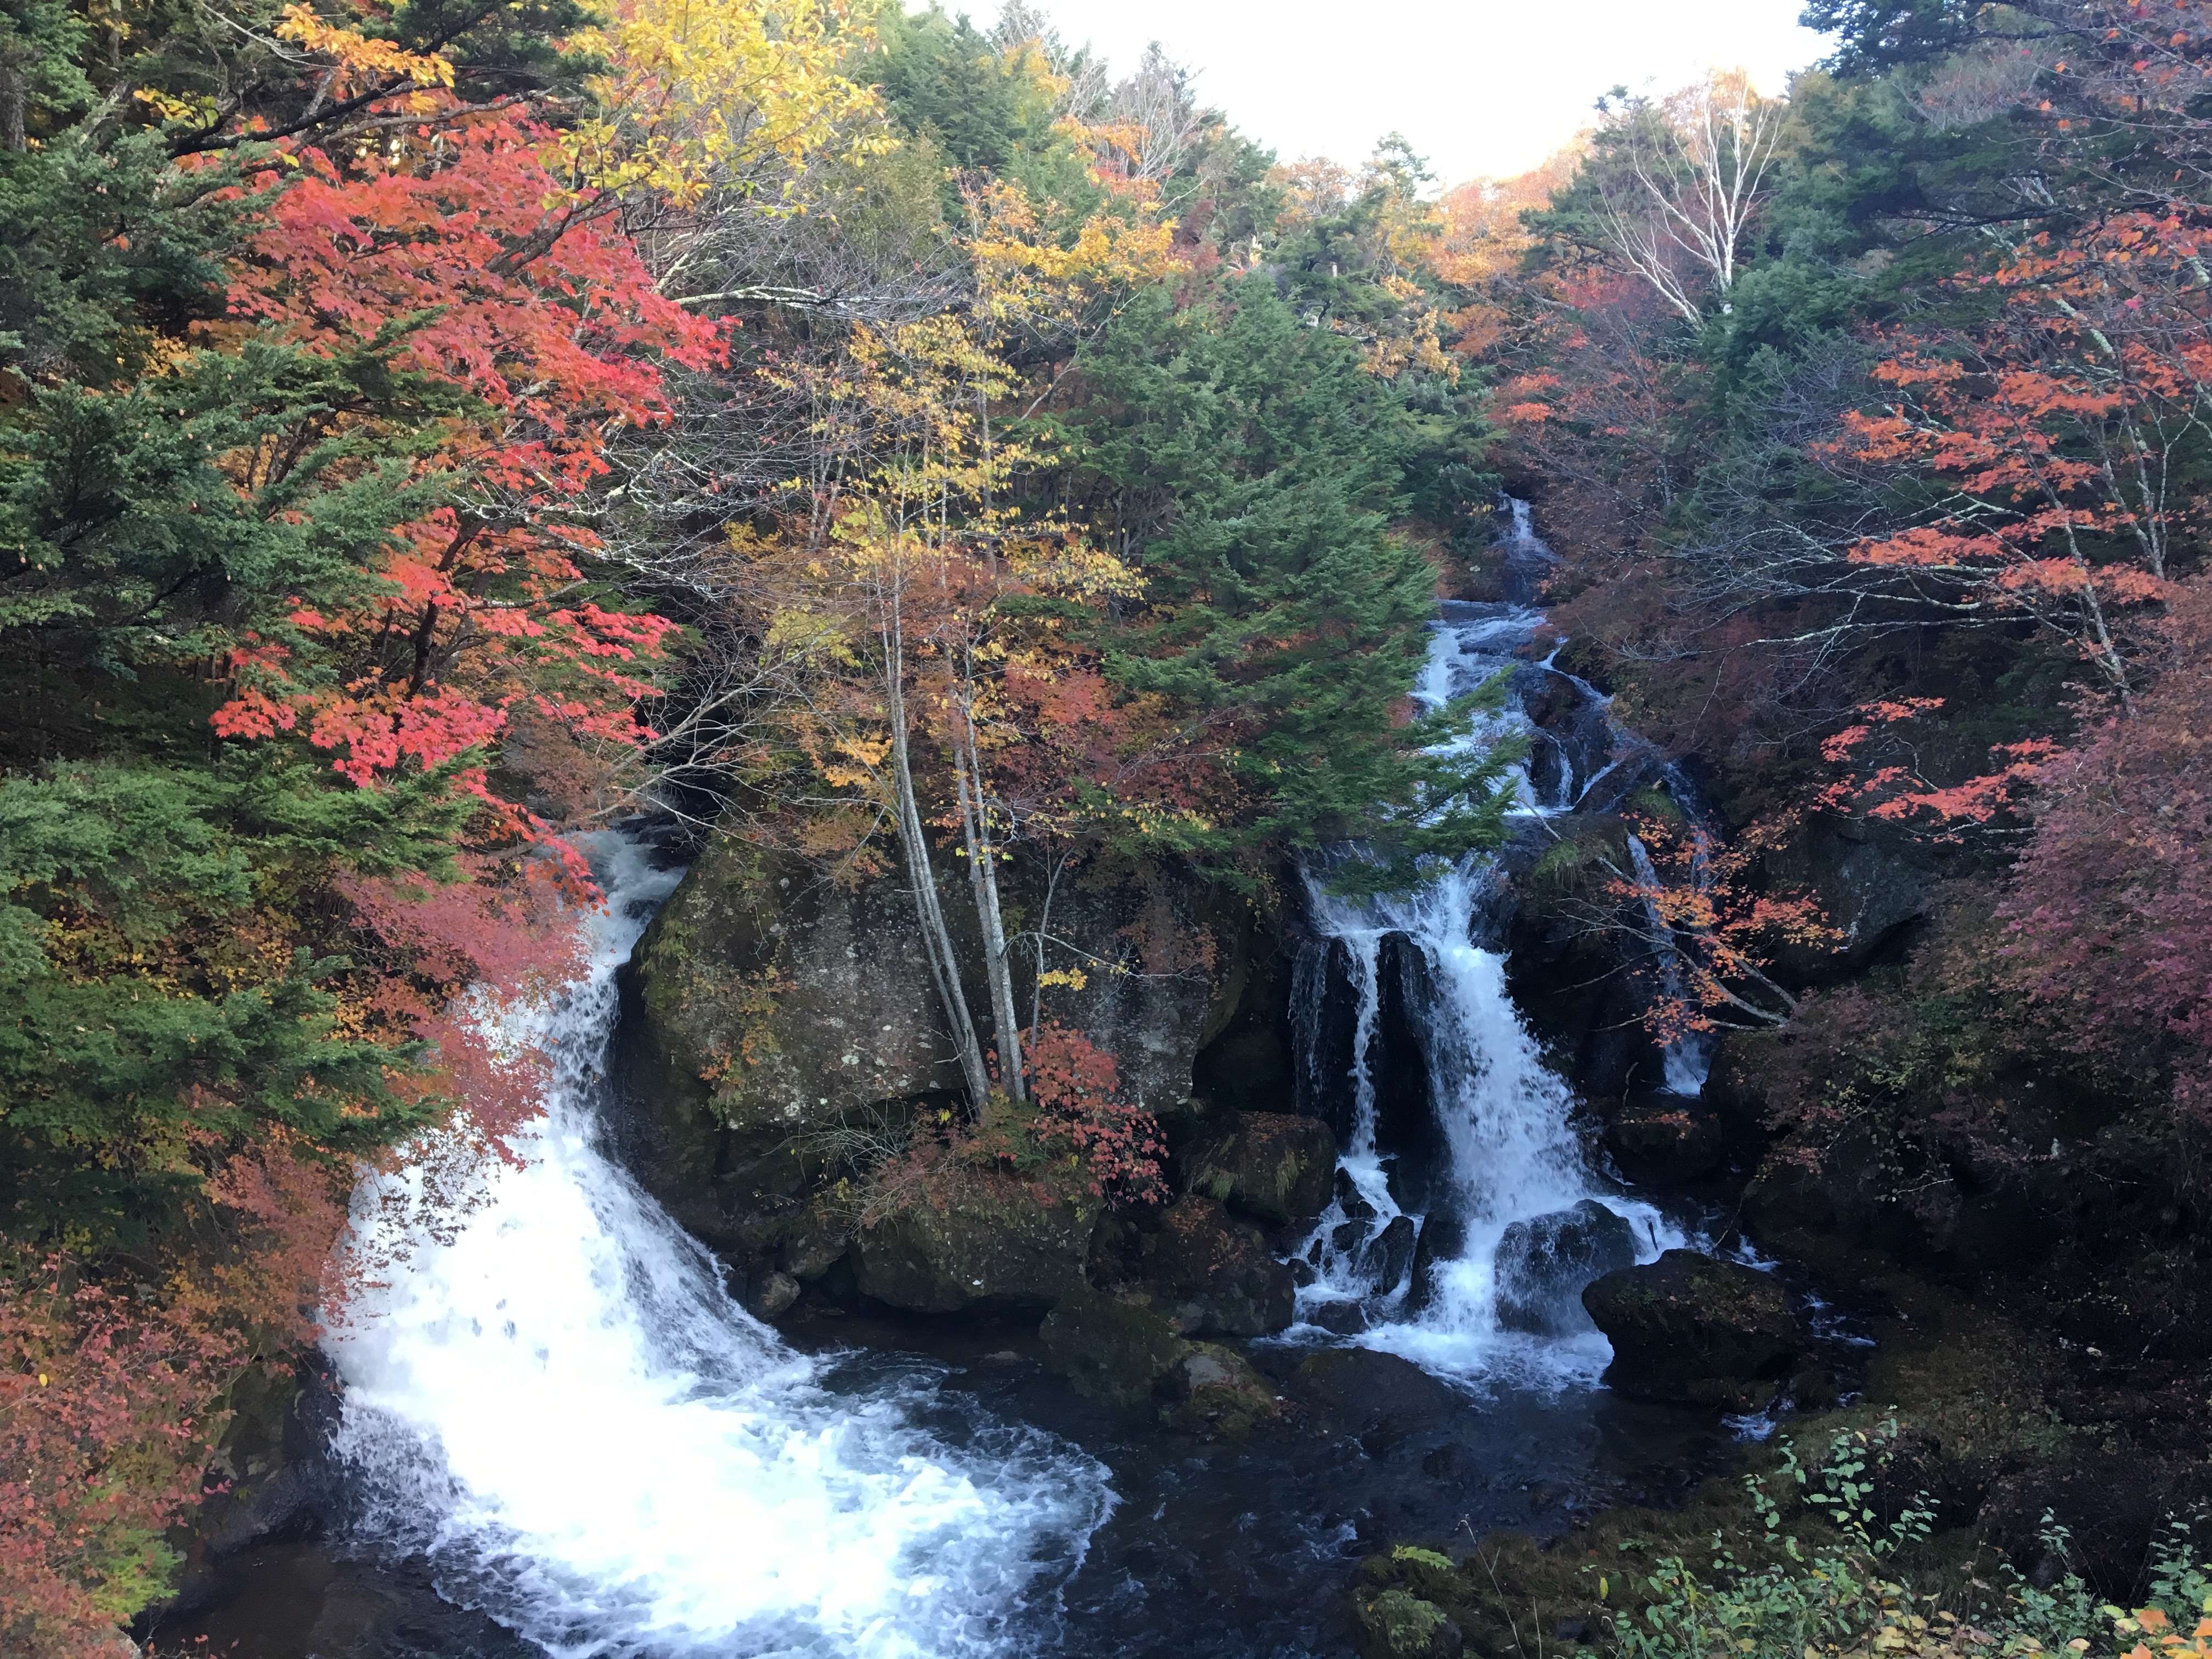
{"points": [[1678, 183]]}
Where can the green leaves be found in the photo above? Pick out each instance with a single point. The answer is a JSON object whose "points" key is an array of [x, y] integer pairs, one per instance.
{"points": [[121, 844], [1257, 470]]}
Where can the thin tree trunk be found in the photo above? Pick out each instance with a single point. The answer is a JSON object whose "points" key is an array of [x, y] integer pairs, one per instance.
{"points": [[984, 883], [937, 939]]}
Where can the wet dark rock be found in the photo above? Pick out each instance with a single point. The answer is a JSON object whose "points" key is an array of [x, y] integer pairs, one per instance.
{"points": [[1216, 1271], [272, 1461], [990, 1240], [1216, 1391], [771, 1295], [817, 1244], [1664, 1138], [1345, 1318], [1268, 1164], [1544, 1262], [1692, 1329], [273, 1481], [1348, 1198], [300, 1598], [1383, 1262], [1112, 1349], [1443, 1240], [1361, 1391]]}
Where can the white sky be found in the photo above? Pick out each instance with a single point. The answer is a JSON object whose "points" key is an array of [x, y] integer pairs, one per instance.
{"points": [[1480, 86]]}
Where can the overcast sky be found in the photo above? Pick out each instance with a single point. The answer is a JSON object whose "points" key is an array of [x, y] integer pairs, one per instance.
{"points": [[1481, 86]]}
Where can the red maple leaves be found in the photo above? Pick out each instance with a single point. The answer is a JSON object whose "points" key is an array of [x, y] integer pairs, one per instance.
{"points": [[457, 245]]}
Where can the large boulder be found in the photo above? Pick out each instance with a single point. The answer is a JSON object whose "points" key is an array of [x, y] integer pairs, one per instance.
{"points": [[1269, 1164], [1113, 1349], [1663, 1139], [770, 1009], [1544, 1262], [1373, 1396], [1217, 1274], [1694, 1330], [984, 1239], [1872, 881]]}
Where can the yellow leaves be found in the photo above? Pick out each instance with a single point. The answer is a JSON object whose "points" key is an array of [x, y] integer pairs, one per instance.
{"points": [[797, 634], [194, 112], [1074, 978], [705, 93], [361, 59], [1025, 273], [1073, 567]]}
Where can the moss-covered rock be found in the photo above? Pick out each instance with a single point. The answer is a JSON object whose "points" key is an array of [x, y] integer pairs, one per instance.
{"points": [[766, 1005], [1114, 1349], [1216, 1272], [1693, 1330], [980, 1238], [1272, 1166], [1362, 1392], [1216, 1391], [1664, 1138], [771, 1011]]}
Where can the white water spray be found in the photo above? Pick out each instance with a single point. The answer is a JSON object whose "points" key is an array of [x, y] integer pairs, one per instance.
{"points": [[591, 1442]]}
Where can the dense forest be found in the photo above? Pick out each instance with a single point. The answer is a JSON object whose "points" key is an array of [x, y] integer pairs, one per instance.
{"points": [[438, 431]]}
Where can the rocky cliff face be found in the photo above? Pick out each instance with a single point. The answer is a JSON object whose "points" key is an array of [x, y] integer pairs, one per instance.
{"points": [[768, 1005]]}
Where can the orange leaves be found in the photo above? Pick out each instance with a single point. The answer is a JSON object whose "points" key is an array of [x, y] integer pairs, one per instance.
{"points": [[1897, 791], [1707, 920], [2041, 441], [358, 60]]}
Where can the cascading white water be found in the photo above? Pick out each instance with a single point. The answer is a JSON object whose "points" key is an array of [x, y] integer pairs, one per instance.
{"points": [[1504, 1114], [564, 1410]]}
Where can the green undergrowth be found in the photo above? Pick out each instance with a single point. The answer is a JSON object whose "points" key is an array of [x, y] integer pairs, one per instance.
{"points": [[1809, 1554]]}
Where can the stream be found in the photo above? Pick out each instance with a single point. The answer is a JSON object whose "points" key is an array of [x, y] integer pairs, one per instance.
{"points": [[556, 1432]]}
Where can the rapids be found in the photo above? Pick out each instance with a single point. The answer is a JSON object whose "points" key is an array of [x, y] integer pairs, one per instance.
{"points": [[566, 1412]]}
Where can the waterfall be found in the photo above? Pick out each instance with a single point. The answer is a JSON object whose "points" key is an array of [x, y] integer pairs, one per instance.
{"points": [[1503, 1114], [1687, 1057], [564, 1409]]}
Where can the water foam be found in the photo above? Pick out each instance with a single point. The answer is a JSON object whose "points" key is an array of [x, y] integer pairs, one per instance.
{"points": [[565, 1411]]}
